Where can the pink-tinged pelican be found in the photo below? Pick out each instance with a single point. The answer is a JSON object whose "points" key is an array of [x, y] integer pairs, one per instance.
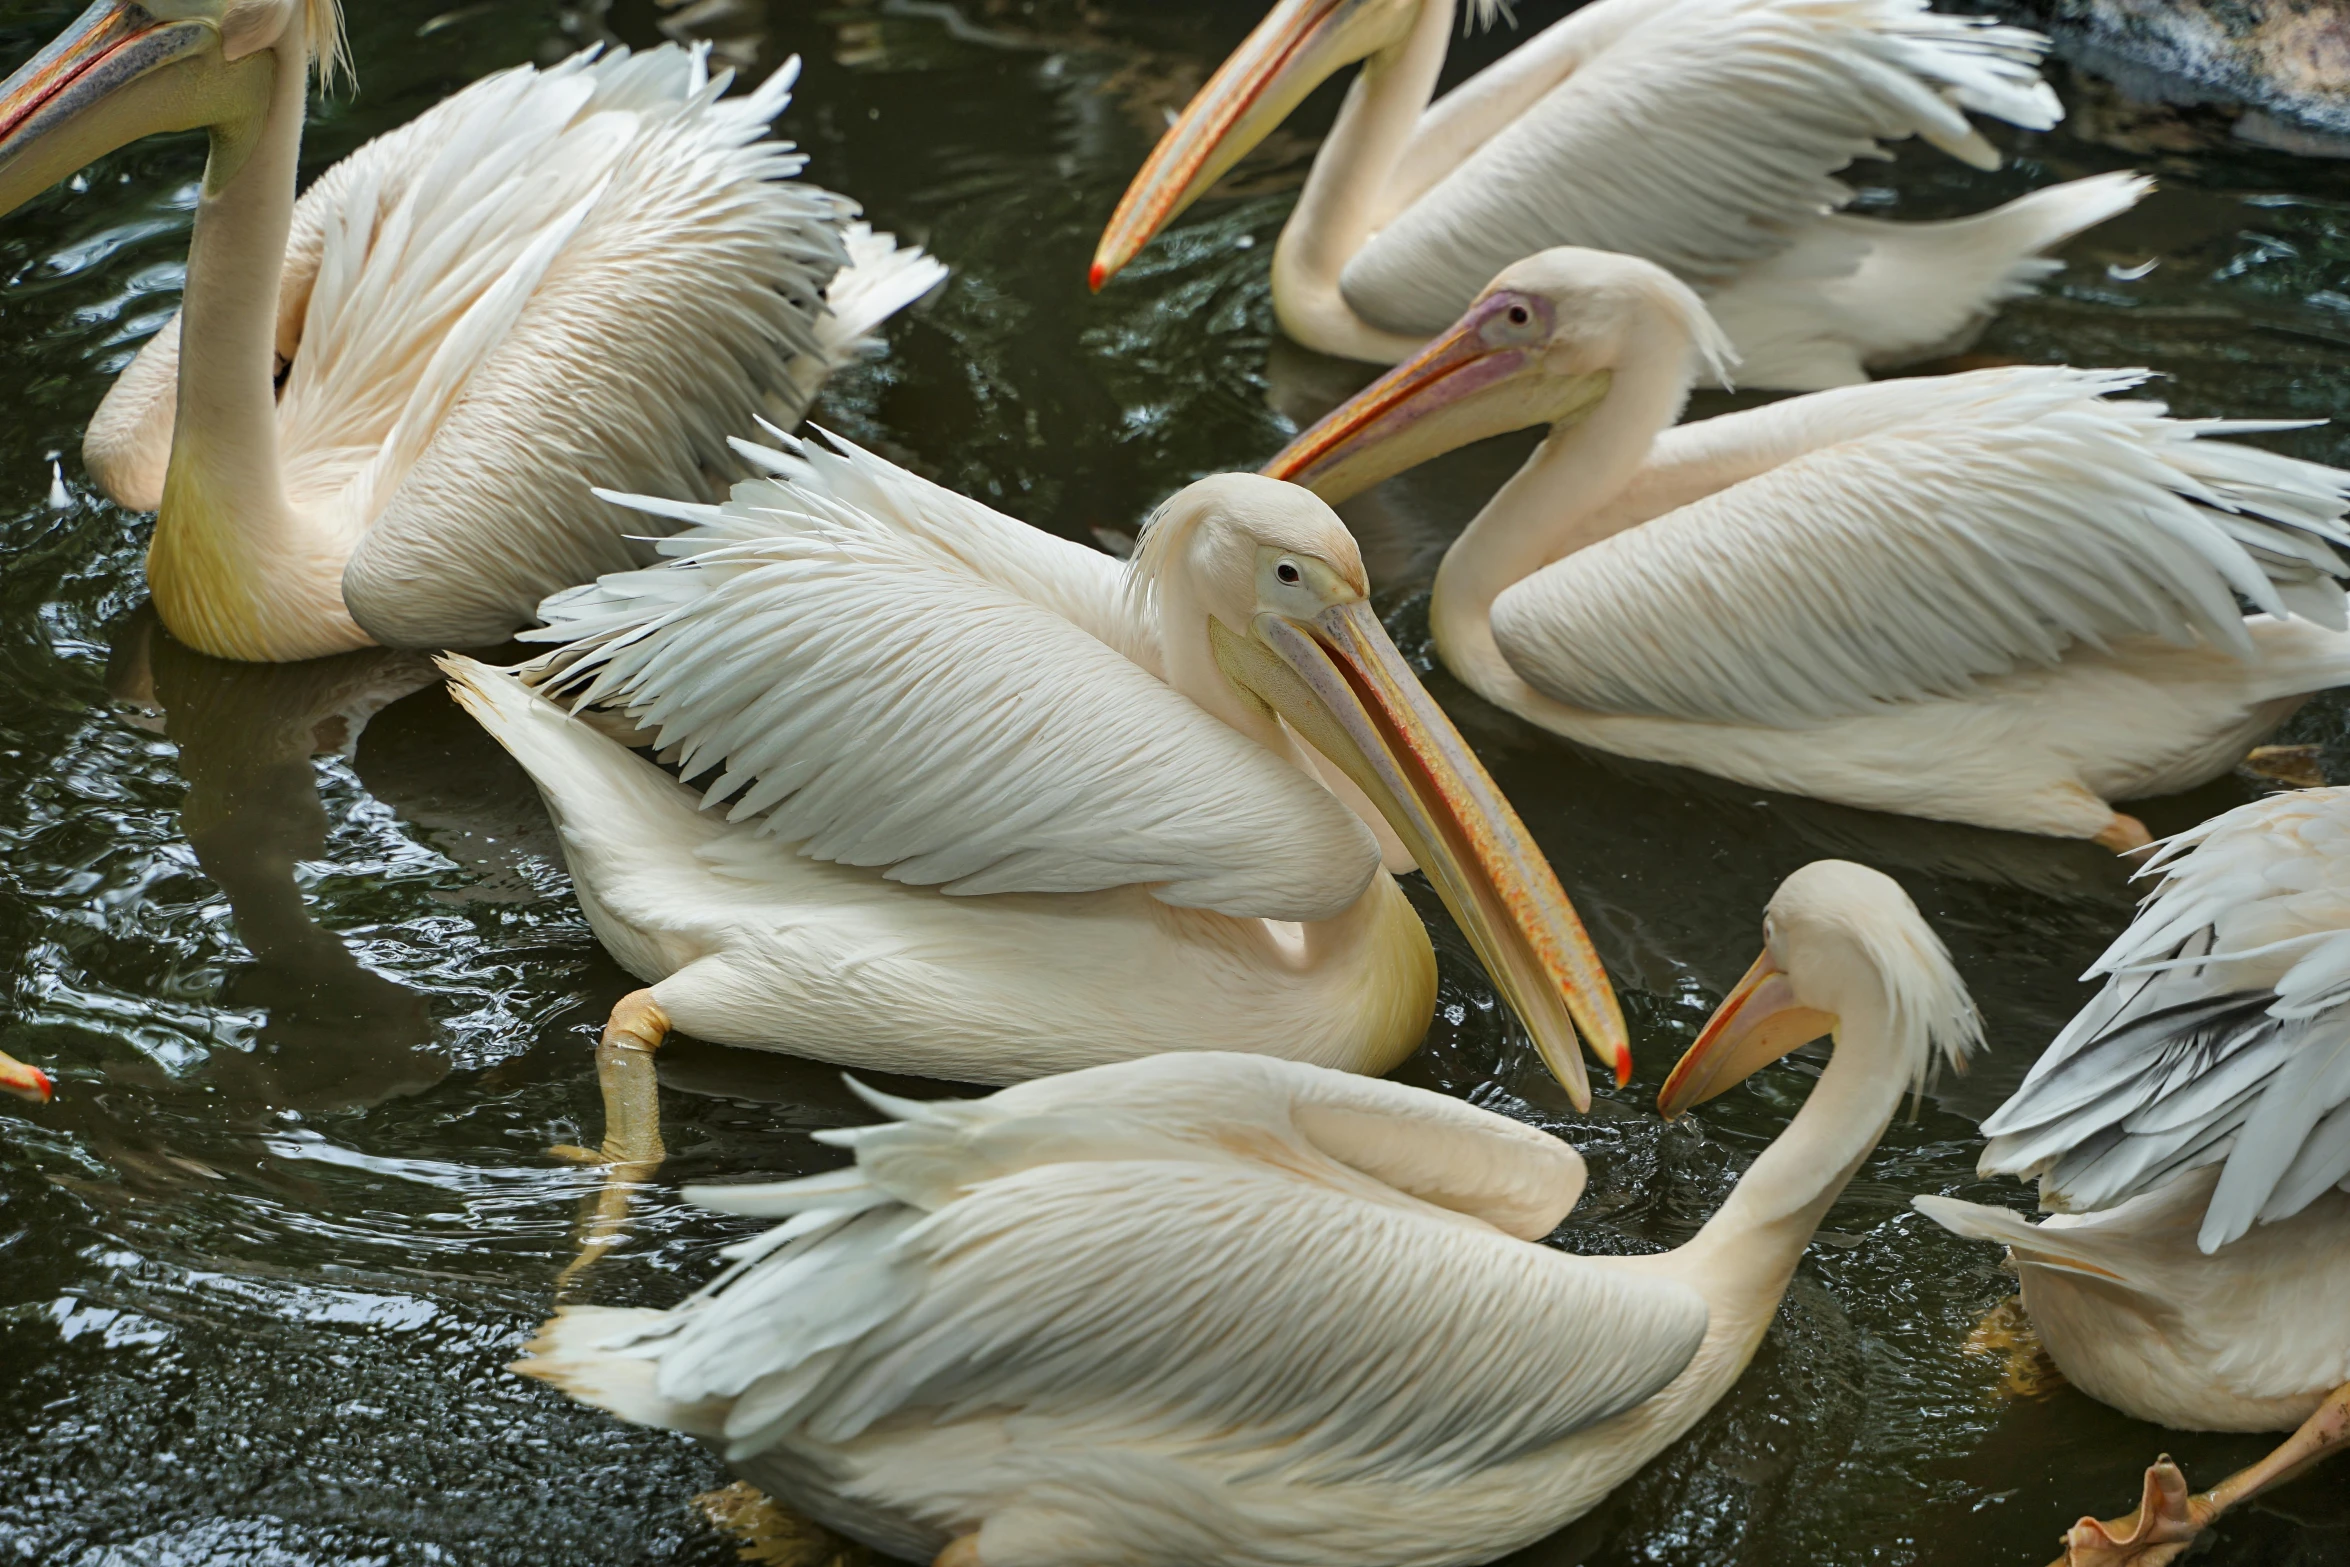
{"points": [[2190, 1129], [1219, 1308], [379, 413], [2007, 597], [25, 1082], [959, 798], [1703, 135]]}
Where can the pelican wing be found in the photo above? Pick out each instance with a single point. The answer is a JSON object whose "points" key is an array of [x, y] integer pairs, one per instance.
{"points": [[1186, 1249], [923, 696], [1907, 539], [591, 274], [2222, 1034], [1702, 140]]}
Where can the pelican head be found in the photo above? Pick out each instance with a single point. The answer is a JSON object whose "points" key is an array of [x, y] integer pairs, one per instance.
{"points": [[1841, 943], [123, 71], [1290, 626], [1541, 346], [1297, 47], [26, 1082]]}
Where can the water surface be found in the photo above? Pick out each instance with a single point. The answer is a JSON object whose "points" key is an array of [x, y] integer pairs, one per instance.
{"points": [[298, 946]]}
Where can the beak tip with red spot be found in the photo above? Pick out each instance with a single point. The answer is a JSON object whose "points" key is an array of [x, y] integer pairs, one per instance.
{"points": [[1096, 277]]}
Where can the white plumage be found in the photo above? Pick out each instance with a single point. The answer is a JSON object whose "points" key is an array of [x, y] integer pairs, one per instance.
{"points": [[2191, 1128], [1207, 1307], [1706, 136], [959, 798], [2008, 597], [586, 274]]}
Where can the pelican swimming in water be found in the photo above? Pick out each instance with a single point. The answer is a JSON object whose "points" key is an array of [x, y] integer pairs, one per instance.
{"points": [[1216, 1308], [1703, 135], [2007, 597], [980, 803], [25, 1082], [2191, 1131], [379, 413]]}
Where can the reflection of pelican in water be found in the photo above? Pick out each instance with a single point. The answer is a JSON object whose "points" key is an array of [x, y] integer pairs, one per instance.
{"points": [[338, 1033]]}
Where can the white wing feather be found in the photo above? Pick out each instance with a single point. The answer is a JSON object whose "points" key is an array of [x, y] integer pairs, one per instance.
{"points": [[1179, 1240], [1701, 140], [1908, 538], [856, 681], [607, 245], [2222, 1032]]}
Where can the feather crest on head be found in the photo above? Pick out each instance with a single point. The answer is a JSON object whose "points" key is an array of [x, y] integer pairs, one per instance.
{"points": [[330, 43]]}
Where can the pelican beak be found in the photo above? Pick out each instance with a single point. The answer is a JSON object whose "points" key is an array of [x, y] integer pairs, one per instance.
{"points": [[1296, 48], [1757, 1023], [26, 1082], [1483, 377], [117, 74], [1340, 683]]}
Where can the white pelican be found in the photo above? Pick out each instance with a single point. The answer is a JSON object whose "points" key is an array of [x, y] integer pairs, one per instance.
{"points": [[1703, 135], [2191, 1130], [1217, 1308], [377, 417], [2000, 598], [984, 804], [26, 1082]]}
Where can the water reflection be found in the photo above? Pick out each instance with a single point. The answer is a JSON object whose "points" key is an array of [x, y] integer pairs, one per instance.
{"points": [[338, 1035]]}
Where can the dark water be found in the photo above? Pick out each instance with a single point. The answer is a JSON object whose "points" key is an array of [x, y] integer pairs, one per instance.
{"points": [[319, 1001]]}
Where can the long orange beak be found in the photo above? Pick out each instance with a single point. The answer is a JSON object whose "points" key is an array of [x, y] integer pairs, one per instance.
{"points": [[1483, 377], [26, 1082], [101, 84], [1757, 1023], [1340, 683], [1296, 48]]}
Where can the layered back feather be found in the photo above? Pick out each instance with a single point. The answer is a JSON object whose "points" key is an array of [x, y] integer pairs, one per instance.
{"points": [[1703, 138], [1920, 536], [1229, 1264], [2221, 1036]]}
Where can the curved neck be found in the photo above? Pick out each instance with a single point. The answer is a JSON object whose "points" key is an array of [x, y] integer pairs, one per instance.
{"points": [[1553, 506], [1345, 200], [1748, 1251], [234, 570]]}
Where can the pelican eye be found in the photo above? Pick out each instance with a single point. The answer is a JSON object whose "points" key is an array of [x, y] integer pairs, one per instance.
{"points": [[1288, 573], [1519, 315]]}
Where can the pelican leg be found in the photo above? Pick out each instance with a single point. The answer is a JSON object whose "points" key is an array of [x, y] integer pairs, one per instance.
{"points": [[632, 1148], [2168, 1520], [2124, 834], [2006, 1334]]}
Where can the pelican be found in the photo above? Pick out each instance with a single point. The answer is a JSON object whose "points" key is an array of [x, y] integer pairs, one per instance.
{"points": [[25, 1082], [2190, 1129], [2006, 597], [1207, 1307], [377, 417], [980, 803], [1703, 135]]}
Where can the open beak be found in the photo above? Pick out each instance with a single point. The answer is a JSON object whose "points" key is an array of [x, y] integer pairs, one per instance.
{"points": [[1463, 387], [102, 84], [1757, 1023], [26, 1082], [1302, 44], [1340, 683]]}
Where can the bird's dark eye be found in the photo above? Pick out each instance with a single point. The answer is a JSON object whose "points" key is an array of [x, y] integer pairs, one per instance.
{"points": [[1519, 315], [1287, 571]]}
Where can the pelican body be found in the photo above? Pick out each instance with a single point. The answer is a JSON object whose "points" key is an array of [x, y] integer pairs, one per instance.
{"points": [[1703, 135], [2190, 1130], [2007, 597], [958, 798], [1216, 1308], [378, 415]]}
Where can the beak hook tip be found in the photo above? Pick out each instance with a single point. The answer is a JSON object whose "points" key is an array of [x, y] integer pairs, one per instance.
{"points": [[1096, 277]]}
